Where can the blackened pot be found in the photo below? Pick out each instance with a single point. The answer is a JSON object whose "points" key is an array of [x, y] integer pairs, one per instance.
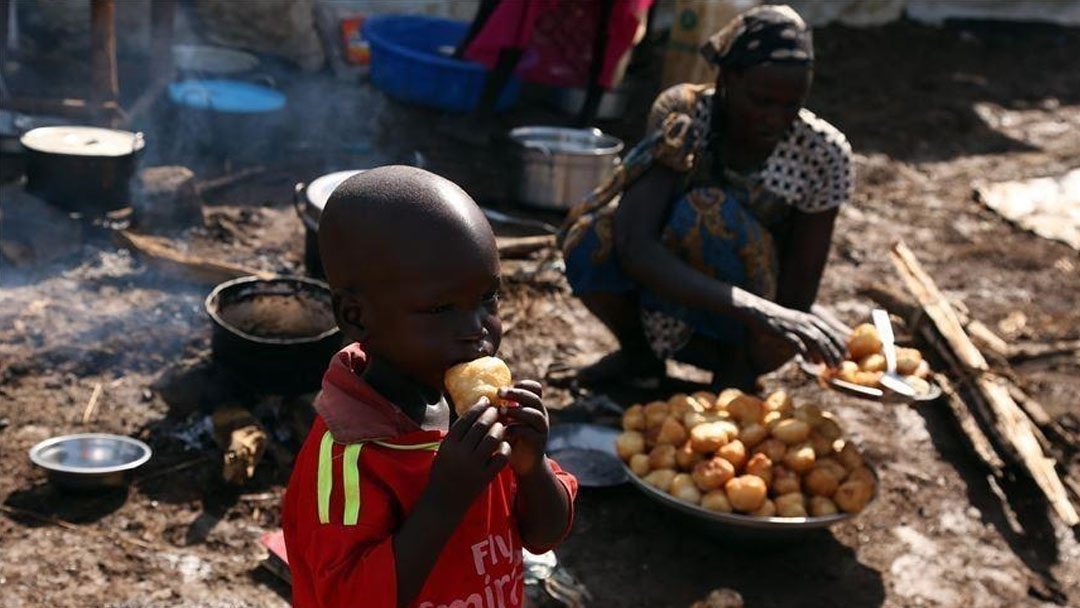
{"points": [[277, 335]]}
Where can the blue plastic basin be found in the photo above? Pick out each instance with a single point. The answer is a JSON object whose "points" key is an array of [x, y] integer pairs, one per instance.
{"points": [[234, 96], [409, 63]]}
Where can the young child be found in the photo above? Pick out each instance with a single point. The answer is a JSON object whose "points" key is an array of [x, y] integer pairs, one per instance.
{"points": [[392, 503]]}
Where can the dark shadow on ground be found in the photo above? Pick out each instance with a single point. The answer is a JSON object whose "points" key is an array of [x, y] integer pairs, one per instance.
{"points": [[80, 507], [1023, 520], [666, 560]]}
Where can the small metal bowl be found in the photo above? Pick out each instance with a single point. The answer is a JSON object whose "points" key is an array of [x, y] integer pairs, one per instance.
{"points": [[743, 527], [90, 460]]}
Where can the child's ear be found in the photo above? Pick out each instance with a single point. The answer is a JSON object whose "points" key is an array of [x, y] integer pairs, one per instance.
{"points": [[351, 313]]}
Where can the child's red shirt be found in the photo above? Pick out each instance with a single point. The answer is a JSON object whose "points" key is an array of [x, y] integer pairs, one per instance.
{"points": [[357, 477]]}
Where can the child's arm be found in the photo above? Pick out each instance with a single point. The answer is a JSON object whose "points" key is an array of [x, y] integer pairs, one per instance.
{"points": [[544, 503], [471, 456]]}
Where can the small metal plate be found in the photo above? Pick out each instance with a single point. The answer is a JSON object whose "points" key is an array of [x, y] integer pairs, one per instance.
{"points": [[588, 452], [815, 370]]}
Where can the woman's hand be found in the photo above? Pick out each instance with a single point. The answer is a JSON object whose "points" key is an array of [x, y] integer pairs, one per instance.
{"points": [[813, 337]]}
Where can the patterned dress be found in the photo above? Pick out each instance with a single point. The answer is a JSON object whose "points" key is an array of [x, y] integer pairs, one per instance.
{"points": [[719, 222]]}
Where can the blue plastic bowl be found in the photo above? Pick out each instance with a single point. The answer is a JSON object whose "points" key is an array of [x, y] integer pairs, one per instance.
{"points": [[408, 63], [232, 96]]}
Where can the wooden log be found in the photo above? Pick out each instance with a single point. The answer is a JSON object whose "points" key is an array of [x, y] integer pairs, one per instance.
{"points": [[189, 267], [242, 440], [165, 199], [979, 442], [104, 83], [68, 107], [1015, 430]]}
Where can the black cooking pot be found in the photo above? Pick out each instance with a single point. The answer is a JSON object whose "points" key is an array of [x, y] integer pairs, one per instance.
{"points": [[310, 200], [84, 169], [278, 335]]}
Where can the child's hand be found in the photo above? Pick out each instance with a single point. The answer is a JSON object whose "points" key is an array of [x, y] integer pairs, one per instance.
{"points": [[528, 426], [470, 456]]}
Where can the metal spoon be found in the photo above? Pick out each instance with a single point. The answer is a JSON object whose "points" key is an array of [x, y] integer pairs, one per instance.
{"points": [[890, 380]]}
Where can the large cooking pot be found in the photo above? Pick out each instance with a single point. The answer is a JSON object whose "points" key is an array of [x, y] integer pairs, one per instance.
{"points": [[276, 334], [310, 200], [84, 169], [217, 117], [557, 167]]}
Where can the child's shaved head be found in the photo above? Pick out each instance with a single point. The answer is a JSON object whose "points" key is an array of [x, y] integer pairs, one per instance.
{"points": [[381, 218], [414, 269]]}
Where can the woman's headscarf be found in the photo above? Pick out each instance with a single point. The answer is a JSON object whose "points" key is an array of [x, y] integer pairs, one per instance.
{"points": [[765, 34]]}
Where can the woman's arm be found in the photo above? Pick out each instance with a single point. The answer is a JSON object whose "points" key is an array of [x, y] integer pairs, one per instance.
{"points": [[638, 223], [802, 261]]}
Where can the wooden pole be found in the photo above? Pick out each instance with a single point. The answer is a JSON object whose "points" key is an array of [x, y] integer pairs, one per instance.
{"points": [[1001, 415], [104, 82]]}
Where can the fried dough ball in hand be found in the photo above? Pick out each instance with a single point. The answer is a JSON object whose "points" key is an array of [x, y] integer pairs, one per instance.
{"points": [[683, 488], [661, 480], [746, 493], [662, 457], [778, 401], [468, 382], [633, 419], [790, 505], [753, 434], [672, 432], [760, 465], [767, 509], [629, 443], [872, 363], [821, 482], [747, 409], [799, 458], [639, 464], [716, 500], [907, 360], [852, 496], [791, 431], [848, 371], [686, 457], [773, 448], [850, 457], [785, 481], [713, 474], [734, 452], [864, 341], [656, 413], [821, 506], [709, 437]]}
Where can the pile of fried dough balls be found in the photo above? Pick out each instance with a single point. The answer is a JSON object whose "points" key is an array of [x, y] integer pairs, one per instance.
{"points": [[866, 364], [734, 452]]}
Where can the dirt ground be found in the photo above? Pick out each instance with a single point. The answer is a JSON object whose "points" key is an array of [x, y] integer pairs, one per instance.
{"points": [[928, 112]]}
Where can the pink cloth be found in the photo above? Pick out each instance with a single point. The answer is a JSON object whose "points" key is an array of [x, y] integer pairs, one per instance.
{"points": [[557, 37]]}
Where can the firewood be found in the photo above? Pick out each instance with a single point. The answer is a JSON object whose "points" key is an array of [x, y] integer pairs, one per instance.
{"points": [[243, 440], [519, 246], [187, 266], [1015, 432]]}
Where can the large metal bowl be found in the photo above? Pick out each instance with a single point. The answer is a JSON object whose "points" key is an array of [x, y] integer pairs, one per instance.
{"points": [[557, 167], [90, 460], [734, 525]]}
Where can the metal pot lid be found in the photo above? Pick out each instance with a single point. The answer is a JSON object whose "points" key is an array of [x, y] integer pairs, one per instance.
{"points": [[319, 190], [232, 96], [563, 140], [82, 141], [212, 59]]}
